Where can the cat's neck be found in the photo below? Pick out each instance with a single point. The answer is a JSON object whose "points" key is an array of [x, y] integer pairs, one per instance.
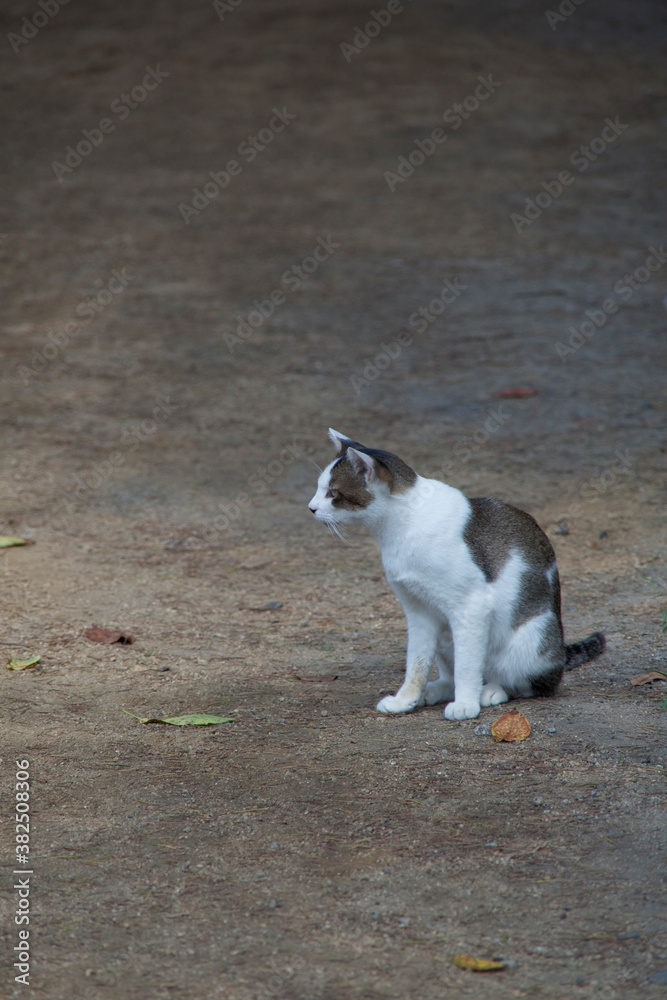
{"points": [[410, 512]]}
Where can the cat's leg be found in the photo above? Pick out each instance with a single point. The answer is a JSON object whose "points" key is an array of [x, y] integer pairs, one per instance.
{"points": [[470, 632], [442, 689], [423, 633]]}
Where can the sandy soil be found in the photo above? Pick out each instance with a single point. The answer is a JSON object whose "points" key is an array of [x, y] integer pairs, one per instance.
{"points": [[162, 417]]}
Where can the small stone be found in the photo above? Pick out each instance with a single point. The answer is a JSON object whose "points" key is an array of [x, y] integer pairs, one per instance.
{"points": [[273, 846], [482, 730], [537, 801], [551, 730], [659, 977], [274, 904], [562, 528]]}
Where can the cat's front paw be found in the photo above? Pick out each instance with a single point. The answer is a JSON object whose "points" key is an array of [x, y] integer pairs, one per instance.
{"points": [[392, 705], [456, 711]]}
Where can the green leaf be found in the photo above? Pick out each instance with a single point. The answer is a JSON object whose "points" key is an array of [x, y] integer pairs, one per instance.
{"points": [[184, 720], [6, 541], [23, 664]]}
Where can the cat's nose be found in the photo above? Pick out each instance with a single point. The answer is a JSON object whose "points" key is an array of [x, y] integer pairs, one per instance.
{"points": [[313, 509]]}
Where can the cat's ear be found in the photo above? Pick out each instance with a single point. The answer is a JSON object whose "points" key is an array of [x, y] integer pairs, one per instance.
{"points": [[338, 440], [363, 465]]}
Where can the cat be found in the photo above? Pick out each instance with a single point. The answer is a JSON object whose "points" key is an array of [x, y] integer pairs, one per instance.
{"points": [[477, 580]]}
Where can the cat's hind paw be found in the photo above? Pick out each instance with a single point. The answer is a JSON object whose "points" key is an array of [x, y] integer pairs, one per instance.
{"points": [[393, 705], [493, 694], [457, 711], [438, 691]]}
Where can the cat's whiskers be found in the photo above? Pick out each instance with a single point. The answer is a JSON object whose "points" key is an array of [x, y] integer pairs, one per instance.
{"points": [[335, 530]]}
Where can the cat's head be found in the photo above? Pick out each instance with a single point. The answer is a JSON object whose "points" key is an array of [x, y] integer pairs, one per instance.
{"points": [[359, 484]]}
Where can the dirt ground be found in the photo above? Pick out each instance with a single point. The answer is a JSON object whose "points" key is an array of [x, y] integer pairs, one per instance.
{"points": [[162, 414]]}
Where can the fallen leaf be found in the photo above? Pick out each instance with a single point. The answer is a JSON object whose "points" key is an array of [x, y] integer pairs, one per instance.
{"points": [[316, 678], [655, 675], [511, 727], [477, 964], [108, 636], [184, 720], [23, 664], [515, 393], [6, 541]]}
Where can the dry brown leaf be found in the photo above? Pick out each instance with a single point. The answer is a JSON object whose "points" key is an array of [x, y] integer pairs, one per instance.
{"points": [[655, 675], [511, 727], [108, 636], [515, 393], [477, 964]]}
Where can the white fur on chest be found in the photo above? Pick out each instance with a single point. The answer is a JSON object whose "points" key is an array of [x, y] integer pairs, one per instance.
{"points": [[423, 550]]}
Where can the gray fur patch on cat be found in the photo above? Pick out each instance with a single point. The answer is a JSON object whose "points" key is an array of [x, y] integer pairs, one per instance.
{"points": [[348, 488], [495, 528], [392, 469]]}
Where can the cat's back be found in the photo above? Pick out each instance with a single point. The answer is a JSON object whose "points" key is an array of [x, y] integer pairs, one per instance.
{"points": [[494, 529]]}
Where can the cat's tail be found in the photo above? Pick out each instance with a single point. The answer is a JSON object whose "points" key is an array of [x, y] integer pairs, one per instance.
{"points": [[585, 650]]}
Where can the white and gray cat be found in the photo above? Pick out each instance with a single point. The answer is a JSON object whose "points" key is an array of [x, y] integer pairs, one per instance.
{"points": [[477, 580]]}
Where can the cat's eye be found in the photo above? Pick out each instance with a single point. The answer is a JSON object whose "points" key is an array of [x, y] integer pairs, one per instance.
{"points": [[331, 494]]}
